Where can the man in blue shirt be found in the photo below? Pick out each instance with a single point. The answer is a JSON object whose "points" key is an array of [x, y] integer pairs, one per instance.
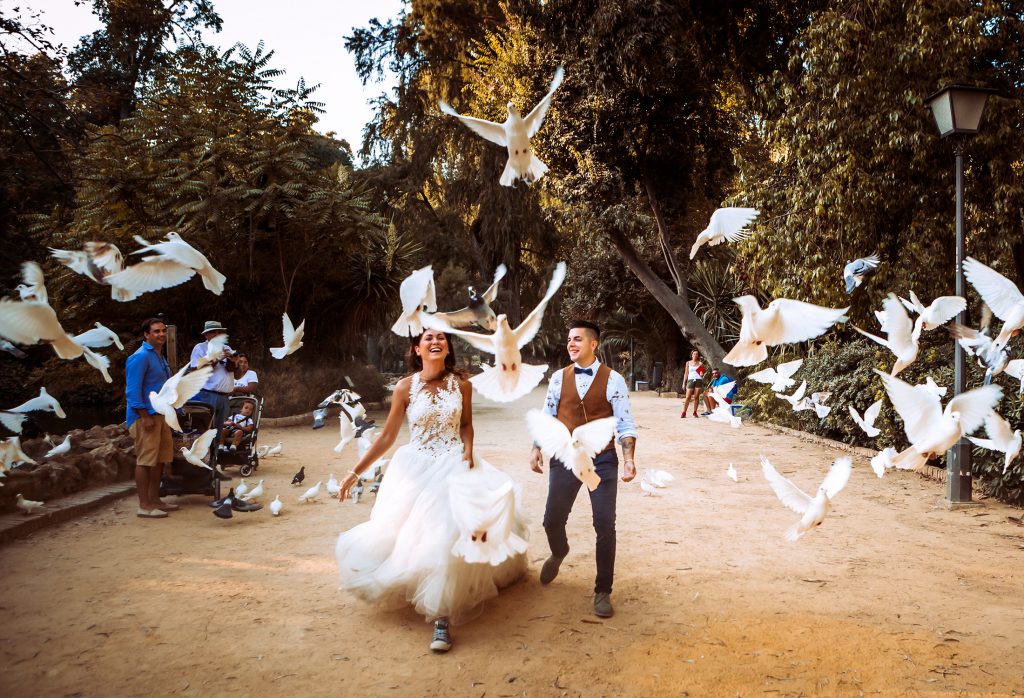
{"points": [[717, 379], [146, 371]]}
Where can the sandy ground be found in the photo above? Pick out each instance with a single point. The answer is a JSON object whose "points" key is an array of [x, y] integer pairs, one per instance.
{"points": [[893, 595]]}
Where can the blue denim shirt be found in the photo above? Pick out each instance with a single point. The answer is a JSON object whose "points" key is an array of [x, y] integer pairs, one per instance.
{"points": [[145, 372]]}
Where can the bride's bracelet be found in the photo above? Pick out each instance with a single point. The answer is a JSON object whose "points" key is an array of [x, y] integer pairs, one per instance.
{"points": [[353, 472]]}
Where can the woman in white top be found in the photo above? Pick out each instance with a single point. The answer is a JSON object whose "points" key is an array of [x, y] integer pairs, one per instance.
{"points": [[246, 381], [693, 382]]}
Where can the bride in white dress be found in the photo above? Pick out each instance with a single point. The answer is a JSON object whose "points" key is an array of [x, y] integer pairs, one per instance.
{"points": [[443, 535]]}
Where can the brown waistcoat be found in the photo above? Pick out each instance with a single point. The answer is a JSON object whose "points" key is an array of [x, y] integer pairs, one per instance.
{"points": [[572, 411]]}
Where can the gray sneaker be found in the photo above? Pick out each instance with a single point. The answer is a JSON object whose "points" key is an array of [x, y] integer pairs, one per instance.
{"points": [[603, 605], [550, 569], [442, 641]]}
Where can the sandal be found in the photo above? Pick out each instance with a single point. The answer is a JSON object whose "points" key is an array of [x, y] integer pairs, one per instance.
{"points": [[151, 514]]}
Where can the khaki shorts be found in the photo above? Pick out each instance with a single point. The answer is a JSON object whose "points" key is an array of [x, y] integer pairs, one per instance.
{"points": [[694, 384], [152, 446]]}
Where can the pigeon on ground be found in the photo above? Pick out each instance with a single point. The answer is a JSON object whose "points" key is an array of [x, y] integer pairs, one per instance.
{"points": [[170, 262], [856, 271], [98, 361], [485, 525], [814, 509], [311, 494], [576, 451], [176, 391], [31, 321], [223, 510], [200, 449], [779, 377], [783, 321], [262, 451], [242, 488], [276, 506], [1013, 368], [479, 310], [98, 261], [253, 494], [726, 225], [299, 476], [418, 297], [931, 430], [99, 337], [649, 490], [357, 491], [658, 478], [732, 474], [882, 461], [509, 378], [939, 312], [276, 450], [515, 134], [796, 398], [902, 335], [1001, 437], [27, 506], [292, 338], [333, 488], [60, 449], [867, 422], [11, 349], [1001, 295]]}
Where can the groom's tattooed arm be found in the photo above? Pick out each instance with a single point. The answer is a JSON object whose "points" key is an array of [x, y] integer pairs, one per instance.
{"points": [[628, 445]]}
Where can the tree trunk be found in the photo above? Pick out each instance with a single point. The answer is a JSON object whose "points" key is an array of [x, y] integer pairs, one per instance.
{"points": [[675, 304]]}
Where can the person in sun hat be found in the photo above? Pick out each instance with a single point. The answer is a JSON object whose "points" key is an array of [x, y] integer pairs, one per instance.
{"points": [[217, 391]]}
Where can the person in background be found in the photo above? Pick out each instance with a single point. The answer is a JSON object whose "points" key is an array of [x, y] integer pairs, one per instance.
{"points": [[693, 382], [217, 389], [246, 382], [717, 379]]}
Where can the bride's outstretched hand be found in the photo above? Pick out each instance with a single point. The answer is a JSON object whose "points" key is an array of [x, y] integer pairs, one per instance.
{"points": [[346, 485]]}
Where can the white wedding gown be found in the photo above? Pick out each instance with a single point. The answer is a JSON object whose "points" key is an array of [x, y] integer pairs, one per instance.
{"points": [[442, 536]]}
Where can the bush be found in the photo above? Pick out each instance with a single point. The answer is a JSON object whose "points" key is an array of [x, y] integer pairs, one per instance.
{"points": [[844, 366]]}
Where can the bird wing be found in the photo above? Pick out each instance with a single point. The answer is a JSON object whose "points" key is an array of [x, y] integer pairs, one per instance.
{"points": [[536, 116], [1015, 368], [27, 322], [998, 429], [483, 342], [549, 433], [767, 375], [789, 368], [703, 237], [798, 321], [919, 409], [105, 255], [945, 308], [595, 435], [151, 274], [791, 496], [720, 391], [529, 327], [876, 338], [872, 412], [190, 384], [491, 293], [488, 129], [32, 275], [974, 406], [730, 223], [289, 329], [898, 326], [998, 292], [73, 259], [838, 476], [201, 446], [418, 290]]}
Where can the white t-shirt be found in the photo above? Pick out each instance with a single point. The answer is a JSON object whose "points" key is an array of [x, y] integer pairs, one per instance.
{"points": [[249, 377]]}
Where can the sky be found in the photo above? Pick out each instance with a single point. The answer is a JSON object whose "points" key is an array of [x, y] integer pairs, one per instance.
{"points": [[307, 37]]}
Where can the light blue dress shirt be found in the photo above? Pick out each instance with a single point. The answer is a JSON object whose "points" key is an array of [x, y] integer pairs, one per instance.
{"points": [[617, 394]]}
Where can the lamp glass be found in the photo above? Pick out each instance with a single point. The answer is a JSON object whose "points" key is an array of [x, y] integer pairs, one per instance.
{"points": [[942, 109], [968, 107]]}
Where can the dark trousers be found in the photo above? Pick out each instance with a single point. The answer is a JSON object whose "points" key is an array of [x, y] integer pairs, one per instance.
{"points": [[220, 406], [562, 489]]}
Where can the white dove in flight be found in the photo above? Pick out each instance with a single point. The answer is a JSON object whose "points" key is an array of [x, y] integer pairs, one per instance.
{"points": [[815, 402], [902, 335], [44, 402], [509, 378], [576, 451], [97, 261], [479, 310], [99, 337], [856, 271], [60, 449], [930, 429], [485, 520], [783, 321], [1015, 369], [814, 509], [1001, 295], [200, 449], [98, 361], [937, 313], [31, 321], [173, 262], [418, 297], [779, 377], [932, 387], [11, 453], [346, 432], [867, 422], [33, 286], [723, 410], [176, 391], [515, 134], [726, 225], [216, 349], [1001, 437], [796, 398], [292, 338], [312, 493], [882, 461]]}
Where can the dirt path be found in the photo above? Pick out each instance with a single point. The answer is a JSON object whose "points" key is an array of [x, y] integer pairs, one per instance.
{"points": [[894, 594]]}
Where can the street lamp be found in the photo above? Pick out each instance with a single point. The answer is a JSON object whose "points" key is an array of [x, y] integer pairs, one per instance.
{"points": [[958, 110]]}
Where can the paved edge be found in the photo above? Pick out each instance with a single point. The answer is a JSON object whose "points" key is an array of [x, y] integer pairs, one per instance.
{"points": [[58, 511]]}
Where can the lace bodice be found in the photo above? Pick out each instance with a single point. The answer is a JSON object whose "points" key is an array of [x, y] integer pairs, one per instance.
{"points": [[434, 417]]}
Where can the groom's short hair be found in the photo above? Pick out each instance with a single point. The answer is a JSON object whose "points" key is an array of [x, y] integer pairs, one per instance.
{"points": [[586, 325]]}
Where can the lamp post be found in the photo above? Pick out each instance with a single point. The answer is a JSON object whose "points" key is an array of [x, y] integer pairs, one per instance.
{"points": [[958, 110]]}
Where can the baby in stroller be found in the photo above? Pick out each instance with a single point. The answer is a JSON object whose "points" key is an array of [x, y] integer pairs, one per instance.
{"points": [[238, 426]]}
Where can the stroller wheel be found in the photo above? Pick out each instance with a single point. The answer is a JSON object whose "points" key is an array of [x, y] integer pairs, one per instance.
{"points": [[246, 470]]}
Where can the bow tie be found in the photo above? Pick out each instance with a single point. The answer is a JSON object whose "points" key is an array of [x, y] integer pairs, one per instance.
{"points": [[587, 371]]}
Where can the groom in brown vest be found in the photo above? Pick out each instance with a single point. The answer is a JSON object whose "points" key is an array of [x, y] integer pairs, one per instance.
{"points": [[583, 391]]}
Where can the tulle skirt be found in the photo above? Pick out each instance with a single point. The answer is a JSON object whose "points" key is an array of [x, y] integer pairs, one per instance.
{"points": [[442, 536]]}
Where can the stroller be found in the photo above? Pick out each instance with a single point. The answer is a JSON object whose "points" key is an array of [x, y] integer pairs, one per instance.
{"points": [[245, 457], [185, 478]]}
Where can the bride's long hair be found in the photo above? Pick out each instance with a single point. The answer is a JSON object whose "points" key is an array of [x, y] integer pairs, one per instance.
{"points": [[414, 362]]}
